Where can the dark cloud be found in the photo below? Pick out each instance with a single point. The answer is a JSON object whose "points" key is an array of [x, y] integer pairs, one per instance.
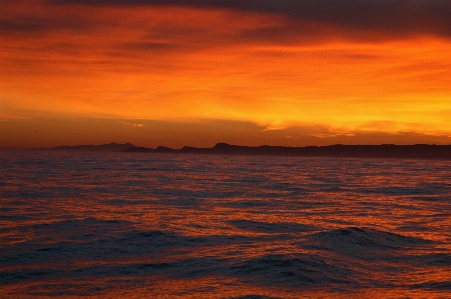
{"points": [[24, 24], [390, 18], [147, 46], [44, 23]]}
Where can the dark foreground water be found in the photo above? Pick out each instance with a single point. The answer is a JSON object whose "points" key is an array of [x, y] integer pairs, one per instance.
{"points": [[188, 226]]}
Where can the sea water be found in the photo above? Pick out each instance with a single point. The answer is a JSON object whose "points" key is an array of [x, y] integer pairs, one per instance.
{"points": [[132, 225]]}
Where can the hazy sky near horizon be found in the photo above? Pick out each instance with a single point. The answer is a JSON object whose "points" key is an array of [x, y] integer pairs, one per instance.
{"points": [[197, 72]]}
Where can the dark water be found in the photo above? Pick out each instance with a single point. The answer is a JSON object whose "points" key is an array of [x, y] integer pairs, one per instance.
{"points": [[187, 226]]}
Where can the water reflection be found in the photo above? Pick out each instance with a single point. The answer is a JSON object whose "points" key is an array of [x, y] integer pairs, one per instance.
{"points": [[223, 226]]}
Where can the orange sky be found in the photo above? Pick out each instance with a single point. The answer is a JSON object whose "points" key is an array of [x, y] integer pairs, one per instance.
{"points": [[198, 72]]}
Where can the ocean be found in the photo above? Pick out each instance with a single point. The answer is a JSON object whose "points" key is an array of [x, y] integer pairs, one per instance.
{"points": [[139, 225]]}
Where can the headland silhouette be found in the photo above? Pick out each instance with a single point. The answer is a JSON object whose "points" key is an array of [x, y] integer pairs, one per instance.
{"points": [[416, 151], [110, 147]]}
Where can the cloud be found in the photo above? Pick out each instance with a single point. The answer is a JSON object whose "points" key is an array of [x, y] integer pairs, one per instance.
{"points": [[146, 46], [130, 124], [366, 19], [39, 17], [288, 21], [321, 135]]}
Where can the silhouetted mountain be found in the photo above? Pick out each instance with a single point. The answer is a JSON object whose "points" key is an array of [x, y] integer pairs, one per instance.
{"points": [[417, 151], [139, 149], [111, 147], [164, 149], [421, 151]]}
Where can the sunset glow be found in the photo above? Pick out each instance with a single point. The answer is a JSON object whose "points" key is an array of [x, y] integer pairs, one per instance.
{"points": [[194, 73]]}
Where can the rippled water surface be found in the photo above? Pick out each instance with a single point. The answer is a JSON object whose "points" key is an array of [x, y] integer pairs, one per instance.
{"points": [[191, 226]]}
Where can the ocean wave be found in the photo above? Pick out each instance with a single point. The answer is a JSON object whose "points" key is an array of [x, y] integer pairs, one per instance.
{"points": [[440, 285], [254, 297], [295, 270], [274, 228], [364, 243]]}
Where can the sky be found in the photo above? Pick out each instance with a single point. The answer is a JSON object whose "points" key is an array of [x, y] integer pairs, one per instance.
{"points": [[198, 72]]}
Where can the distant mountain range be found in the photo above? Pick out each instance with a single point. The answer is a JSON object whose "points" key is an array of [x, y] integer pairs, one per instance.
{"points": [[111, 147], [422, 151]]}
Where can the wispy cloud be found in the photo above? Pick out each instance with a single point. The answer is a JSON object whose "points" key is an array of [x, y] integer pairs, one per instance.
{"points": [[383, 17], [133, 125]]}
